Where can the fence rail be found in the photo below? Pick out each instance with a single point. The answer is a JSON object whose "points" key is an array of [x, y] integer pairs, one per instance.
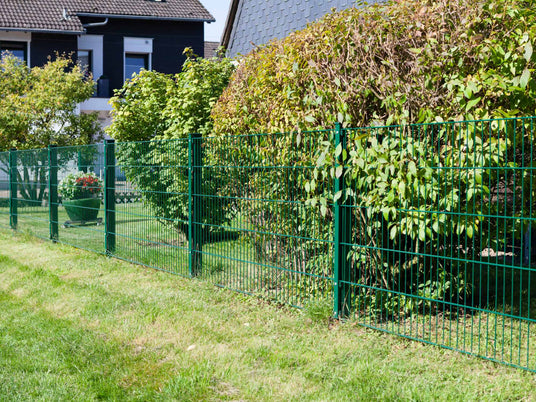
{"points": [[424, 231]]}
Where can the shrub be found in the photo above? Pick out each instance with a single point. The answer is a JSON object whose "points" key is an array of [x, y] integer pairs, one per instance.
{"points": [[153, 108], [402, 62], [405, 62], [38, 107]]}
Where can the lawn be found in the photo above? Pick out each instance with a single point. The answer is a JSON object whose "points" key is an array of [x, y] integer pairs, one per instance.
{"points": [[79, 326]]}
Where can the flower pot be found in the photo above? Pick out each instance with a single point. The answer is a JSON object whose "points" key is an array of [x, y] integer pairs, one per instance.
{"points": [[82, 210]]}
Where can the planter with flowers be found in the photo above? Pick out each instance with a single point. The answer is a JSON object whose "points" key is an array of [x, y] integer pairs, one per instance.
{"points": [[80, 193]]}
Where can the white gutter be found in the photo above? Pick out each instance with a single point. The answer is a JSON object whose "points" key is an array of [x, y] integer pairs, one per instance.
{"points": [[95, 24], [145, 17]]}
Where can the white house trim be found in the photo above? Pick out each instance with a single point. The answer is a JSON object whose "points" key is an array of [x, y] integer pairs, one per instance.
{"points": [[93, 43]]}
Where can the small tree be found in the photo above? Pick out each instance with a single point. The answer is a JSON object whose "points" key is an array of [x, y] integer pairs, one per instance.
{"points": [[154, 107], [38, 108]]}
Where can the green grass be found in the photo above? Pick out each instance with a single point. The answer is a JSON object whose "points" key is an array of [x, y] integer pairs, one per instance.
{"points": [[230, 262], [77, 326]]}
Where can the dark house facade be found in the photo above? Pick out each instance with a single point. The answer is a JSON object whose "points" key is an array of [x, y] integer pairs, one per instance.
{"points": [[112, 38]]}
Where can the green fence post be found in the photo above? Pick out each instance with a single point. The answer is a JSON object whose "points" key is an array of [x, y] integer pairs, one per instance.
{"points": [[53, 191], [13, 188], [342, 233], [109, 196], [195, 172]]}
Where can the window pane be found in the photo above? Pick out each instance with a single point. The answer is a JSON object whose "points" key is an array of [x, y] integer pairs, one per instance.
{"points": [[84, 59], [17, 49], [134, 63]]}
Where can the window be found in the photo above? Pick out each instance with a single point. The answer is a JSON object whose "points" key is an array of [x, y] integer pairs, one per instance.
{"points": [[85, 60], [17, 49], [138, 55], [134, 63]]}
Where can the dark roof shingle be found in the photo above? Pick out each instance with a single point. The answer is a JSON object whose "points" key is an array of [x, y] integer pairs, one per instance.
{"points": [[211, 49], [62, 15]]}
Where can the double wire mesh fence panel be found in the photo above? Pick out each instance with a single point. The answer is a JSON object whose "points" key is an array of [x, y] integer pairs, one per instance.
{"points": [[80, 220], [151, 189], [259, 233], [424, 231], [30, 175], [441, 242]]}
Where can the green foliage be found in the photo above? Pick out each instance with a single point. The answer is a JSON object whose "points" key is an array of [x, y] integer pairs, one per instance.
{"points": [[153, 105], [406, 61], [38, 105], [402, 62], [152, 108], [38, 108], [80, 185]]}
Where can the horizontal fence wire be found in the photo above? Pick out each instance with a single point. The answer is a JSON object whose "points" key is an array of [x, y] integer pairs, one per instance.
{"points": [[424, 231]]}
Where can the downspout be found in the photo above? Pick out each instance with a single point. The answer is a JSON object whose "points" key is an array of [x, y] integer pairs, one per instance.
{"points": [[96, 24]]}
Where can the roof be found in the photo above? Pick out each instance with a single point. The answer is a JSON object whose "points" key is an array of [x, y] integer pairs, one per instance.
{"points": [[211, 49], [231, 16], [63, 15], [252, 23]]}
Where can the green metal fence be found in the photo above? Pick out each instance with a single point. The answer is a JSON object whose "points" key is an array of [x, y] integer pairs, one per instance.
{"points": [[424, 231]]}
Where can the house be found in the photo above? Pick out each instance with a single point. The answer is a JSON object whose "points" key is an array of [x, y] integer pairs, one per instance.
{"points": [[253, 23], [113, 38]]}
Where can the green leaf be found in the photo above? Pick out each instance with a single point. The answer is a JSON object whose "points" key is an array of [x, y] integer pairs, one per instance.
{"points": [[402, 188], [469, 231], [525, 78], [412, 168], [337, 196], [321, 159], [422, 234], [528, 51], [338, 150], [472, 103], [310, 119]]}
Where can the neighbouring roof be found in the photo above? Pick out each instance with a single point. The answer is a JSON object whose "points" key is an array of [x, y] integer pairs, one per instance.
{"points": [[231, 17], [63, 15], [253, 23], [211, 49]]}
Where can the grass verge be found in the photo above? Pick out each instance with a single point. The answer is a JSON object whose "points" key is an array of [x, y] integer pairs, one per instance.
{"points": [[76, 326]]}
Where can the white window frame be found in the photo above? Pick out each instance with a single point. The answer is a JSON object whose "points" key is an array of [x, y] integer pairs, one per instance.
{"points": [[142, 46], [15, 36], [94, 43]]}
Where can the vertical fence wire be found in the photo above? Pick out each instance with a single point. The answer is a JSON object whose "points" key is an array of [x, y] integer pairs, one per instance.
{"points": [[4, 189]]}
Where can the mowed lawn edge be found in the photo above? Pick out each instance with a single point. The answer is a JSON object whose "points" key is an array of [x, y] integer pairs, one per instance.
{"points": [[80, 326]]}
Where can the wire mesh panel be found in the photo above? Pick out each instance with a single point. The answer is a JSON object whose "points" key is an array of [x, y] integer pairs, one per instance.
{"points": [[151, 188], [425, 231], [79, 185], [441, 246], [259, 233], [31, 179], [4, 189]]}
